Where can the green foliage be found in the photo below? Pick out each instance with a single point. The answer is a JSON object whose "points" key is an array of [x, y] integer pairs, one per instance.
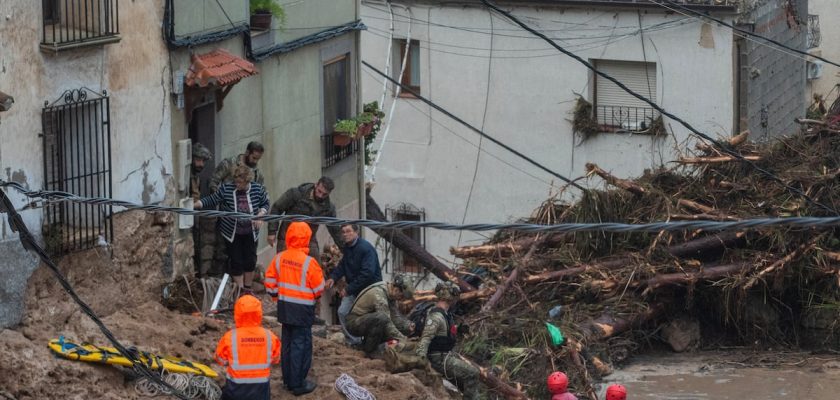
{"points": [[272, 6], [347, 127], [371, 110]]}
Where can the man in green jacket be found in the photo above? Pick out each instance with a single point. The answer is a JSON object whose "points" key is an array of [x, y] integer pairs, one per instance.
{"points": [[375, 316], [224, 171], [310, 199]]}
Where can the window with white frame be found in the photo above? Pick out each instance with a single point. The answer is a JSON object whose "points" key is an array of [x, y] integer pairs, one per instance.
{"points": [[411, 75], [615, 109]]}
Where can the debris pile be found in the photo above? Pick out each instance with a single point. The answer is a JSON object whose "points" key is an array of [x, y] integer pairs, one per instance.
{"points": [[613, 293]]}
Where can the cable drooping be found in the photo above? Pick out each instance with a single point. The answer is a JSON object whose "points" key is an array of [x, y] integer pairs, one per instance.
{"points": [[473, 128], [723, 147], [652, 227]]}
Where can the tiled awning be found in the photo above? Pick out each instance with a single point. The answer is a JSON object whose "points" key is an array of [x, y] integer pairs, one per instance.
{"points": [[218, 68]]}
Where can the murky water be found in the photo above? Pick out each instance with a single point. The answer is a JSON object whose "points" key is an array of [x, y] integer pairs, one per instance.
{"points": [[730, 375]]}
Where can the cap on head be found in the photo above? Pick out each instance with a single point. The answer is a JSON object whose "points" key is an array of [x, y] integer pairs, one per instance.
{"points": [[616, 392], [557, 382], [404, 283], [201, 151], [447, 291]]}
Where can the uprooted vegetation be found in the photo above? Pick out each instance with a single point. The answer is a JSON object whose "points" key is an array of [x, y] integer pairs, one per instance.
{"points": [[621, 292]]}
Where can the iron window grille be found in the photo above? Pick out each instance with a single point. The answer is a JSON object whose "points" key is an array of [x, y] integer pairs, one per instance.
{"points": [[77, 159], [403, 263], [75, 23], [814, 37]]}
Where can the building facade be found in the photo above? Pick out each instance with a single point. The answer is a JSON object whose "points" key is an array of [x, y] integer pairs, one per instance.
{"points": [[523, 92]]}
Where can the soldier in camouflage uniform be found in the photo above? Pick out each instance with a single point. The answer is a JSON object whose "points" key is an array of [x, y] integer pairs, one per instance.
{"points": [[200, 155], [438, 340], [375, 316], [224, 171], [310, 199]]}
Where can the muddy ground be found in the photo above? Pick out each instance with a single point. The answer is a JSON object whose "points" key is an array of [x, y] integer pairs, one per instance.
{"points": [[125, 291]]}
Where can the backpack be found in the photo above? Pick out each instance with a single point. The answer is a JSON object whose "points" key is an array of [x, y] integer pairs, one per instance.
{"points": [[418, 317]]}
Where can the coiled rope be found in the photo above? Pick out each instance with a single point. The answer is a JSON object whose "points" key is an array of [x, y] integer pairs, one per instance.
{"points": [[346, 385], [193, 386]]}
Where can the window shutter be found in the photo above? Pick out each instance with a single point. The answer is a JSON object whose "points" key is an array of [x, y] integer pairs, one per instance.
{"points": [[638, 76]]}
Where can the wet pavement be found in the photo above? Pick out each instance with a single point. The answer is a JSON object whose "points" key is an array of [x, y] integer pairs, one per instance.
{"points": [[730, 375]]}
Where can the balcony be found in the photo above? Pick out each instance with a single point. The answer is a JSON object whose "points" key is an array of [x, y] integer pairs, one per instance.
{"points": [[813, 37], [625, 119], [69, 24]]}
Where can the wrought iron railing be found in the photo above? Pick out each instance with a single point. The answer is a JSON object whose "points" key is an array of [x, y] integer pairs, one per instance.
{"points": [[74, 23], [621, 118], [404, 263], [333, 154], [77, 159], [814, 37]]}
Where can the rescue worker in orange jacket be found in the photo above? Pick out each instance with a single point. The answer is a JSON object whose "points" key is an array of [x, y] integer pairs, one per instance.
{"points": [[247, 352], [295, 281]]}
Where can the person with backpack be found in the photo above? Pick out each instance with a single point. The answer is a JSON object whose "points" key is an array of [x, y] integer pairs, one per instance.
{"points": [[374, 315], [438, 339]]}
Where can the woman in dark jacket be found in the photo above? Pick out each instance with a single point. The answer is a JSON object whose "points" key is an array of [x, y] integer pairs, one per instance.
{"points": [[241, 236]]}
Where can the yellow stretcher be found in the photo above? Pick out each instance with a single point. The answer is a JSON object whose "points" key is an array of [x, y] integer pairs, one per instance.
{"points": [[110, 355]]}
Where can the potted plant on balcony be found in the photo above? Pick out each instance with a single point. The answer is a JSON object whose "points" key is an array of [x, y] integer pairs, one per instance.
{"points": [[262, 12], [344, 131]]}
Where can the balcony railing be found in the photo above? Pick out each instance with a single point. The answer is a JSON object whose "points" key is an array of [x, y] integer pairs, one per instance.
{"points": [[814, 37], [627, 119], [75, 23], [333, 154]]}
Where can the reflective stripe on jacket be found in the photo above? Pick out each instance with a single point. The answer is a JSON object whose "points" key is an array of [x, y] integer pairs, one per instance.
{"points": [[294, 279], [248, 350]]}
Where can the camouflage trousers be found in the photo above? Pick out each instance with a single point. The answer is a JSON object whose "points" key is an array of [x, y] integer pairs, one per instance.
{"points": [[461, 373], [376, 328]]}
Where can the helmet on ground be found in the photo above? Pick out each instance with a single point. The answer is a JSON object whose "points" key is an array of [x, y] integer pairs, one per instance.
{"points": [[616, 392], [557, 382], [447, 291], [201, 151]]}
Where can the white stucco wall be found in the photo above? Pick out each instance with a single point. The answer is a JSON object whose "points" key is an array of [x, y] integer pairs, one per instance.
{"points": [[429, 160], [829, 47]]}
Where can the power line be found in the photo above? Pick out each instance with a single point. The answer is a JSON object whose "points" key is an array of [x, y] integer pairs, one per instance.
{"points": [[652, 227], [721, 146], [743, 31], [474, 129]]}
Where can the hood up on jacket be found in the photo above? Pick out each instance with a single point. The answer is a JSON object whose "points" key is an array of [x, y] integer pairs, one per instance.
{"points": [[247, 312], [297, 237]]}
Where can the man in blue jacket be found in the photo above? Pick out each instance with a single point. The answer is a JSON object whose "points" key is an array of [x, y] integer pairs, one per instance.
{"points": [[359, 266]]}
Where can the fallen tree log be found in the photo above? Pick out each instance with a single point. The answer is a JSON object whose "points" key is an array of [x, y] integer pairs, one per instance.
{"points": [[716, 272], [702, 217], [715, 160], [500, 291], [495, 383], [412, 248], [577, 270], [695, 248], [608, 325], [625, 184], [734, 141], [505, 249]]}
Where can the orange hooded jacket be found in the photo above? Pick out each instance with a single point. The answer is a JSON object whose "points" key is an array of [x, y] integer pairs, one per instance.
{"points": [[295, 280], [248, 350]]}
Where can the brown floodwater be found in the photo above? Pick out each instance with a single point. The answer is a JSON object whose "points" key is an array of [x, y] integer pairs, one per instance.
{"points": [[737, 374]]}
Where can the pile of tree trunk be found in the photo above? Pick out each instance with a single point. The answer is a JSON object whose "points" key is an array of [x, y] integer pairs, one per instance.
{"points": [[614, 290]]}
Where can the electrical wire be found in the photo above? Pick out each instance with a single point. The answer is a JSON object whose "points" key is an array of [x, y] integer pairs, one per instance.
{"points": [[742, 31], [652, 227], [474, 129], [30, 243], [725, 148]]}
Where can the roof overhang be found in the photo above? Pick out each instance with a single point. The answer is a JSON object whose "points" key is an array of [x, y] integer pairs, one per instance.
{"points": [[218, 68]]}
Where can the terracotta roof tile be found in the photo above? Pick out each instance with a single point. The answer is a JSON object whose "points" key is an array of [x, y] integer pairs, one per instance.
{"points": [[218, 68]]}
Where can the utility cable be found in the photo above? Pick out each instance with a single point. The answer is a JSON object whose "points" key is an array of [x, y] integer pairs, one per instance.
{"points": [[29, 243], [700, 15], [725, 148], [651, 227], [225, 13], [474, 129]]}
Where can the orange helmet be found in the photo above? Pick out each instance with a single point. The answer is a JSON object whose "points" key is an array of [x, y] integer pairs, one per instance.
{"points": [[616, 392], [557, 382]]}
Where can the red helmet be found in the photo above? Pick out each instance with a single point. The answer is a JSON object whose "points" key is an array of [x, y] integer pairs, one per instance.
{"points": [[616, 392], [557, 382]]}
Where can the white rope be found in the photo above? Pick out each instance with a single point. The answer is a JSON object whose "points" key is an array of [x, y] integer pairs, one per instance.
{"points": [[194, 387], [346, 385]]}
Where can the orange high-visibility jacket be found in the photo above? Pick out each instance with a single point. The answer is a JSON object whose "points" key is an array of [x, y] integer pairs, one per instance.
{"points": [[294, 279], [248, 350]]}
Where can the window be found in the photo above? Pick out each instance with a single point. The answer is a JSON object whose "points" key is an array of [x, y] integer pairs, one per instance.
{"points": [[73, 23], [617, 110], [404, 263], [411, 76], [337, 105], [77, 159]]}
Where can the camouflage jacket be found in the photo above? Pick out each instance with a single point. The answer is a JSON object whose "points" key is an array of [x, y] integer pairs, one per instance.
{"points": [[375, 299], [435, 326], [224, 172], [299, 201]]}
